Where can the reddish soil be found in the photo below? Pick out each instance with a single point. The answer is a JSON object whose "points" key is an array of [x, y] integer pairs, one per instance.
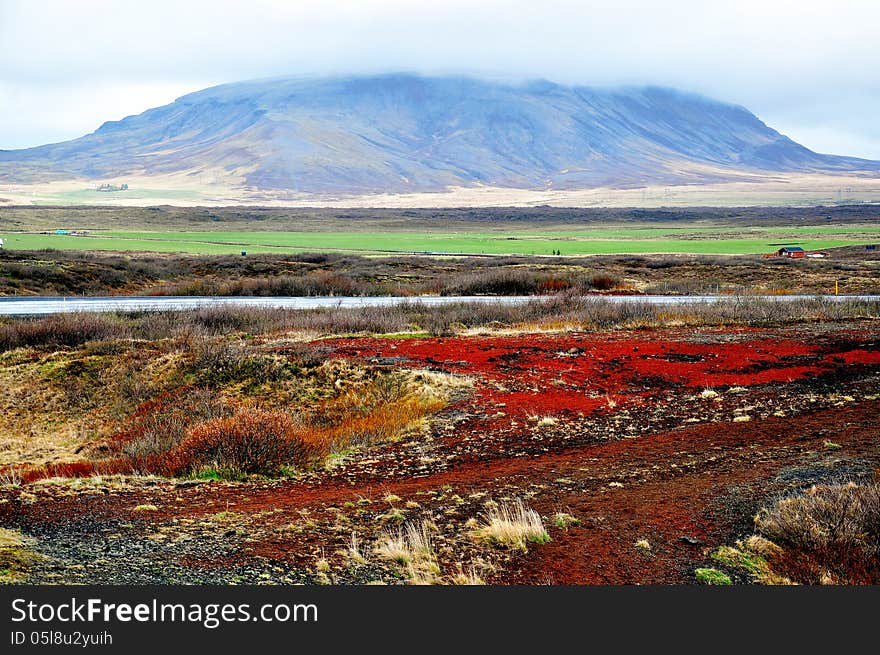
{"points": [[634, 450]]}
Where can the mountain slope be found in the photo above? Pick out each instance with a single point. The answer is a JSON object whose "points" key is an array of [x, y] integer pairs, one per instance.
{"points": [[404, 133]]}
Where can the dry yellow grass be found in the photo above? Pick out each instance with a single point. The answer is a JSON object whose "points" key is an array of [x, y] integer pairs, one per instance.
{"points": [[467, 577], [411, 549], [66, 406], [221, 189], [406, 545], [512, 524], [384, 410], [53, 403], [16, 555]]}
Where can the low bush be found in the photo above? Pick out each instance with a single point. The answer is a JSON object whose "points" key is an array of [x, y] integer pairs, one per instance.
{"points": [[251, 441], [221, 362], [582, 312], [68, 330], [500, 282], [604, 282], [159, 425], [831, 533], [843, 516], [316, 283], [827, 534]]}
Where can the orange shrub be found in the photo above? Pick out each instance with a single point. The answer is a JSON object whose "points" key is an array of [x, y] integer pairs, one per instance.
{"points": [[603, 282], [553, 285], [251, 441], [159, 425]]}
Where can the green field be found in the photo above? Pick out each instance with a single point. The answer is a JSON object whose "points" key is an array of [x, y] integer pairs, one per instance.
{"points": [[600, 240]]}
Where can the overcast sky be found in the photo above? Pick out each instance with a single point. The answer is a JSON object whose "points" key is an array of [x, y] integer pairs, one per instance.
{"points": [[809, 69]]}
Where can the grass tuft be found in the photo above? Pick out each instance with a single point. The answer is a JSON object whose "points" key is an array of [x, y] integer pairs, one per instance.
{"points": [[712, 576], [411, 549], [145, 508], [512, 524], [563, 520], [406, 545]]}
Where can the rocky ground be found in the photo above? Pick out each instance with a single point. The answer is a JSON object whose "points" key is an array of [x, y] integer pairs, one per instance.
{"points": [[642, 452]]}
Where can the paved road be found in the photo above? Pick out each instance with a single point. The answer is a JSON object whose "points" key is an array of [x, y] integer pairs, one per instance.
{"points": [[32, 306]]}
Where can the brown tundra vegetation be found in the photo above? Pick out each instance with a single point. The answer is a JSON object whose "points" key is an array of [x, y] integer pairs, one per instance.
{"points": [[569, 441]]}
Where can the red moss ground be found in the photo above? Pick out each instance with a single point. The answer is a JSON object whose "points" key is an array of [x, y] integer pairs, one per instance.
{"points": [[630, 446]]}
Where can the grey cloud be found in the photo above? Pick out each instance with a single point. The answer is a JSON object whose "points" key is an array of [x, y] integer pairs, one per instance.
{"points": [[807, 66]]}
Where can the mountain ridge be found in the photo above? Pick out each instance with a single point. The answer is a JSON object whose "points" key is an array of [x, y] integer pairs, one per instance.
{"points": [[403, 133]]}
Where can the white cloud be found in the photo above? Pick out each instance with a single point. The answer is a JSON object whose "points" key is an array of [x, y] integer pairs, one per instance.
{"points": [[834, 140], [38, 114], [778, 57]]}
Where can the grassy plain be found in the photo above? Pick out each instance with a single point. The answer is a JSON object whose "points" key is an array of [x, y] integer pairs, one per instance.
{"points": [[589, 241], [196, 250]]}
